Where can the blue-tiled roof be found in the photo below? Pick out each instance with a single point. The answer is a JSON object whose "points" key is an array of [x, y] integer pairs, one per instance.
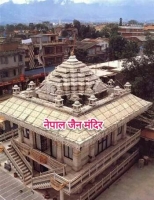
{"points": [[39, 71]]}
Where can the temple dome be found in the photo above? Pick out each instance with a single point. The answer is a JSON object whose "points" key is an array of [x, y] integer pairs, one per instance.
{"points": [[69, 78]]}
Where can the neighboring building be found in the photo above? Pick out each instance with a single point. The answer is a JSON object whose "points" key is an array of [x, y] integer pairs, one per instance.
{"points": [[139, 39], [7, 129], [53, 50], [99, 27], [147, 141], [95, 48], [129, 31], [69, 36], [149, 29], [12, 65], [81, 162]]}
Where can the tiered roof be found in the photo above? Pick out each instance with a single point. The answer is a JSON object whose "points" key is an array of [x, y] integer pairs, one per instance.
{"points": [[71, 79]]}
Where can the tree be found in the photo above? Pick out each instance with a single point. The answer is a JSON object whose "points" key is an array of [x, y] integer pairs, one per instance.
{"points": [[116, 47], [131, 49], [10, 28], [132, 21], [139, 72], [149, 46], [68, 26], [81, 54], [120, 48], [85, 31], [2, 28], [21, 27], [41, 27], [64, 33], [120, 22], [76, 24], [109, 30]]}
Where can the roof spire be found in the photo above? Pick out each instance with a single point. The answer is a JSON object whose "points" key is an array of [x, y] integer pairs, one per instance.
{"points": [[72, 52]]}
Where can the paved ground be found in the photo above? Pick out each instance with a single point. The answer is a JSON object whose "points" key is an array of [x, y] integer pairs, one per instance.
{"points": [[136, 184], [10, 189]]}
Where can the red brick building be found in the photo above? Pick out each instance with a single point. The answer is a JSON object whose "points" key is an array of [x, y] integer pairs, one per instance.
{"points": [[129, 31]]}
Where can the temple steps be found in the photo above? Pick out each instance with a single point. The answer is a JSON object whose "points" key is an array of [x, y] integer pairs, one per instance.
{"points": [[25, 174]]}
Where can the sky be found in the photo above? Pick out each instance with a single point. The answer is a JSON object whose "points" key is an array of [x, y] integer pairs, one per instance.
{"points": [[19, 1], [78, 1]]}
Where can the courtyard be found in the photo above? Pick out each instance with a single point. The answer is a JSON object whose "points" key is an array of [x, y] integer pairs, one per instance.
{"points": [[135, 184]]}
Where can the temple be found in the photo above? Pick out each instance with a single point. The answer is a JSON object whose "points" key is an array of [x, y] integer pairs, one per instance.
{"points": [[78, 163]]}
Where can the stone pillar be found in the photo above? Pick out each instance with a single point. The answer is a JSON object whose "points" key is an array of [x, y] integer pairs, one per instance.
{"points": [[124, 128], [20, 133], [92, 152], [77, 164], [11, 124], [32, 139], [3, 125], [61, 195], [114, 137], [59, 152], [80, 190]]}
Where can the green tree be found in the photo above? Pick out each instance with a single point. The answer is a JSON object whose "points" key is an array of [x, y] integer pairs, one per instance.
{"points": [[41, 27], [120, 22], [2, 28], [149, 46], [120, 48], [139, 72], [64, 33], [68, 25], [132, 21], [109, 30], [77, 24], [131, 49], [21, 27], [117, 47], [10, 28], [81, 54]]}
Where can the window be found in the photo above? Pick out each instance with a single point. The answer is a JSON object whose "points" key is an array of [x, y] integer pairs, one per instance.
{"points": [[20, 58], [53, 148], [104, 143], [4, 60], [15, 126], [26, 133], [68, 152], [4, 74], [58, 49], [120, 130], [43, 143], [14, 58], [14, 72]]}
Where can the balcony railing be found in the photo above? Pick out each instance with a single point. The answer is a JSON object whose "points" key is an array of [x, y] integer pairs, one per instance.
{"points": [[41, 158], [14, 164], [21, 156], [8, 135], [95, 168], [109, 178]]}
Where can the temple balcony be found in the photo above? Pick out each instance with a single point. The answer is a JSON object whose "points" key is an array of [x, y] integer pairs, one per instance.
{"points": [[74, 181], [9, 134], [42, 158]]}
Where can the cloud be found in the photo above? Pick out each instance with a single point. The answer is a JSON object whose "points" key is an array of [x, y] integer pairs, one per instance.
{"points": [[20, 1], [96, 1], [3, 1], [112, 1], [62, 2]]}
